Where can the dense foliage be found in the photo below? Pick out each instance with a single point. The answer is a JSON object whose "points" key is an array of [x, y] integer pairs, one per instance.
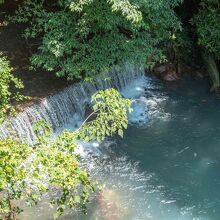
{"points": [[207, 22], [208, 26], [8, 86], [28, 172], [83, 37]]}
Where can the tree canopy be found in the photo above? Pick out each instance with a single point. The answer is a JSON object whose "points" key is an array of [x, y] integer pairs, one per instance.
{"points": [[82, 38], [208, 26]]}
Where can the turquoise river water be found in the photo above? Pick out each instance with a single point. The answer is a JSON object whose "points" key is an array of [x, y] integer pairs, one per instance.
{"points": [[167, 166]]}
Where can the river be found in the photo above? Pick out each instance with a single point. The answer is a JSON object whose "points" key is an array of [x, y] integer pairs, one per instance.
{"points": [[167, 166]]}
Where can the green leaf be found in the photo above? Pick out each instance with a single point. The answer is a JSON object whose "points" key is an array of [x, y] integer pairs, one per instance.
{"points": [[120, 133]]}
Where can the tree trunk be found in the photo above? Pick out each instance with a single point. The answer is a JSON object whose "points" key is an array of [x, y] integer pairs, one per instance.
{"points": [[212, 70]]}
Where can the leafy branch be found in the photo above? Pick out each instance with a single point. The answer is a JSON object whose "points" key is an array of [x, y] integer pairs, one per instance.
{"points": [[29, 172]]}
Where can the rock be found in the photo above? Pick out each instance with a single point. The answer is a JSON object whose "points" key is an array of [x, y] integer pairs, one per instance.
{"points": [[160, 69], [166, 72], [170, 75], [192, 71]]}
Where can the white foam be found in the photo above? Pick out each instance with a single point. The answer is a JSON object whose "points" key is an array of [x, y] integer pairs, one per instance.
{"points": [[85, 148], [145, 107], [136, 88]]}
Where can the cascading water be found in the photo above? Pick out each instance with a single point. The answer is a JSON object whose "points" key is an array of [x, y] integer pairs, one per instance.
{"points": [[68, 105]]}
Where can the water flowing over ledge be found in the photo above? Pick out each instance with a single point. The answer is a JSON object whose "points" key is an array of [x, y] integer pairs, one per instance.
{"points": [[69, 104]]}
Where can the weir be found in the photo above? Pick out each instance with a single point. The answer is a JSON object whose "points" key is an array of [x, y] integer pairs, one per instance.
{"points": [[169, 124], [69, 104]]}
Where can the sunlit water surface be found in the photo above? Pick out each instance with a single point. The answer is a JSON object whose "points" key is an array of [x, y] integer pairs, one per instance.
{"points": [[167, 167]]}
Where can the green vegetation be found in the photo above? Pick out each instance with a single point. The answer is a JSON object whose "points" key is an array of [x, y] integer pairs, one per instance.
{"points": [[208, 26], [208, 30], [28, 172], [8, 84], [82, 38], [111, 116], [79, 39]]}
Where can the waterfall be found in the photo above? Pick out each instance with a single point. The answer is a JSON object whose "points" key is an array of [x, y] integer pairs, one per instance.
{"points": [[68, 104]]}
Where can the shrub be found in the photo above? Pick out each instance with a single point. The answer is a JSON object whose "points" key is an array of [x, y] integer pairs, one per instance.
{"points": [[208, 26], [8, 84]]}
